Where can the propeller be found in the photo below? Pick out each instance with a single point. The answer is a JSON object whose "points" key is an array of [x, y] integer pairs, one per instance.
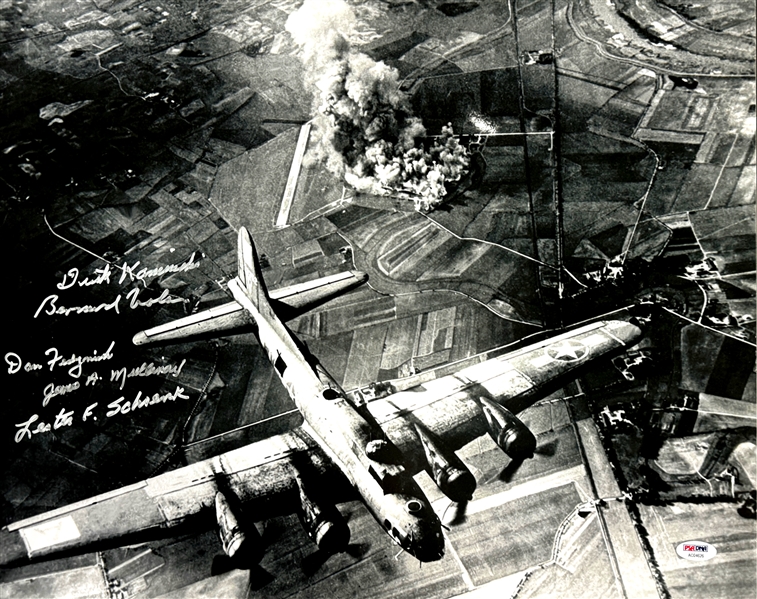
{"points": [[313, 562], [358, 550], [222, 563], [459, 515], [272, 531], [459, 508], [259, 576], [546, 449], [508, 472]]}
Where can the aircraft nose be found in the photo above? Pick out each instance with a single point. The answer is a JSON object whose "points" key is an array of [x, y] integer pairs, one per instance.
{"points": [[429, 544], [431, 552]]}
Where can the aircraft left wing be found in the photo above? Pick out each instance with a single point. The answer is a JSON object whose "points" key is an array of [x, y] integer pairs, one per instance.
{"points": [[440, 415], [231, 319], [266, 476], [282, 474]]}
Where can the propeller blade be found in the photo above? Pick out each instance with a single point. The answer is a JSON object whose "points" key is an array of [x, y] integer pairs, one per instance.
{"points": [[508, 472], [313, 562], [260, 577], [358, 550], [346, 513], [547, 449], [272, 531], [458, 513], [221, 564]]}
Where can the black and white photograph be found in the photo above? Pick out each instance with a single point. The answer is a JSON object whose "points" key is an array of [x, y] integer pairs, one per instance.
{"points": [[378, 299]]}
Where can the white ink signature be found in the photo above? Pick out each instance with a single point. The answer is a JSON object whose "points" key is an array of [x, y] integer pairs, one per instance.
{"points": [[146, 369], [73, 276], [51, 301], [145, 273], [51, 307], [53, 390], [25, 428], [14, 361], [118, 406], [140, 401], [77, 361]]}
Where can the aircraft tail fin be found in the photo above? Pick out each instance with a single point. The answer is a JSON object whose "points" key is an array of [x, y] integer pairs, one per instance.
{"points": [[250, 275]]}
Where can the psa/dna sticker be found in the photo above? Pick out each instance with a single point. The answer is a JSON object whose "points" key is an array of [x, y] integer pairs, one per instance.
{"points": [[696, 550]]}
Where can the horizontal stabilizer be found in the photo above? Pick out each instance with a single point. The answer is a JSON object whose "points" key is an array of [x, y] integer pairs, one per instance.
{"points": [[231, 319], [227, 319]]}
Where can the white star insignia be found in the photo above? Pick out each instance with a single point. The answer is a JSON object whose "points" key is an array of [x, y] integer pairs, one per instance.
{"points": [[567, 351]]}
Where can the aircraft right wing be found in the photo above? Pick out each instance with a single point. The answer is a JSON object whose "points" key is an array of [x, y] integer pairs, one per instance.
{"points": [[231, 319], [266, 476]]}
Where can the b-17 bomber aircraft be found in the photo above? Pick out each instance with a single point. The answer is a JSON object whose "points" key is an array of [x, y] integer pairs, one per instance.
{"points": [[368, 450]]}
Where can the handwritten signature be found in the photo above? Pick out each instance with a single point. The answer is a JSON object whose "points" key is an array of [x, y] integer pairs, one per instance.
{"points": [[144, 273], [64, 418], [52, 390], [26, 431], [74, 277], [51, 307], [14, 361], [146, 369], [142, 401], [129, 272]]}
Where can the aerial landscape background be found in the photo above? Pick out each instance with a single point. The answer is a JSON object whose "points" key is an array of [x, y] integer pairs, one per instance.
{"points": [[606, 158]]}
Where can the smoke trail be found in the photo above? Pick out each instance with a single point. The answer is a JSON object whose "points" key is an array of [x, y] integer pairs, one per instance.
{"points": [[367, 132]]}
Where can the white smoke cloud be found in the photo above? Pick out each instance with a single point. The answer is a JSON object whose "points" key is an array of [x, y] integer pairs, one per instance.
{"points": [[321, 28], [366, 129]]}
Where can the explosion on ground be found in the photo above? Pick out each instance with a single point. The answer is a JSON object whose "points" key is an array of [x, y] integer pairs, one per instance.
{"points": [[365, 128]]}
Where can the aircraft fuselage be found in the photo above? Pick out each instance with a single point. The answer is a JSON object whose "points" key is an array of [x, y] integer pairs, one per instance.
{"points": [[389, 491]]}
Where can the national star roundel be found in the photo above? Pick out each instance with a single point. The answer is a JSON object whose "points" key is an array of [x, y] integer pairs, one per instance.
{"points": [[568, 350]]}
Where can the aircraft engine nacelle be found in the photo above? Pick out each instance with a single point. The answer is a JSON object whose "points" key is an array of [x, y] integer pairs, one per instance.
{"points": [[322, 521], [447, 470], [508, 431], [242, 543]]}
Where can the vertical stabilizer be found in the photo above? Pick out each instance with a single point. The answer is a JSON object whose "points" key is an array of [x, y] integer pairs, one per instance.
{"points": [[249, 274]]}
